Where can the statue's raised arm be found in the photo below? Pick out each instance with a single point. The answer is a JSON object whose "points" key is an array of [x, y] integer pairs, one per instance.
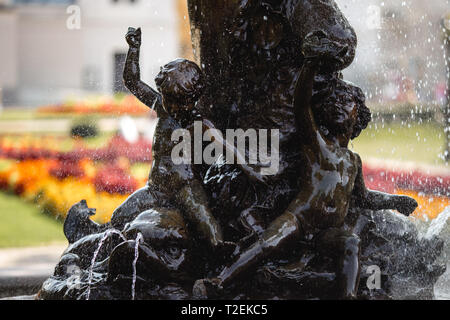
{"points": [[132, 72], [307, 127], [376, 200]]}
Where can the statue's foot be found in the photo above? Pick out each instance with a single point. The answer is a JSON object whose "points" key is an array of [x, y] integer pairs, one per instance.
{"points": [[405, 205], [207, 289]]}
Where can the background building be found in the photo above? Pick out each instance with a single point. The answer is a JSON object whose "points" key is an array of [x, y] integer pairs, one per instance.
{"points": [[400, 55], [46, 56]]}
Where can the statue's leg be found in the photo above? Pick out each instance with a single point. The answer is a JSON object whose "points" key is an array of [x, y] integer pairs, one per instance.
{"points": [[143, 199], [251, 222], [194, 202], [283, 230], [343, 246]]}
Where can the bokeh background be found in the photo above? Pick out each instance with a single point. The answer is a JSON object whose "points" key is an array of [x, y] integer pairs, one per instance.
{"points": [[69, 130]]}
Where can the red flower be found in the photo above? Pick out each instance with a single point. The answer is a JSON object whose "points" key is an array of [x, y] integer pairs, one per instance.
{"points": [[67, 169], [113, 179]]}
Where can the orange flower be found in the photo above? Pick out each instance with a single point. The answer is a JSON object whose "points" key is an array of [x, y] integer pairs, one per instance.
{"points": [[429, 206]]}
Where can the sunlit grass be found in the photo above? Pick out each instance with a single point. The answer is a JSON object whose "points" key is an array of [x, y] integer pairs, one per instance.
{"points": [[422, 143], [32, 114], [22, 224], [17, 114], [58, 141]]}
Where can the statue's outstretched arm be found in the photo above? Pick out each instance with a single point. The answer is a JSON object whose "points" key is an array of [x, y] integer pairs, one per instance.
{"points": [[132, 73], [375, 200], [239, 158]]}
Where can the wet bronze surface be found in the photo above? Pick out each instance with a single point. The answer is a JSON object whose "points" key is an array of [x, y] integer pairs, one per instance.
{"points": [[225, 231]]}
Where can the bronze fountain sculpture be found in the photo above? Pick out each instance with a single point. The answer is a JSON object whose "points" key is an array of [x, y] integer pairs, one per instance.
{"points": [[305, 231]]}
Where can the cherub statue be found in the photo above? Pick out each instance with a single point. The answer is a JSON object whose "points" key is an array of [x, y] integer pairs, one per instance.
{"points": [[331, 179], [180, 83]]}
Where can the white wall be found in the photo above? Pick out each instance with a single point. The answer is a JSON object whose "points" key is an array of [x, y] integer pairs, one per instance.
{"points": [[47, 62], [49, 55], [49, 52], [8, 52], [362, 19], [104, 25], [409, 43]]}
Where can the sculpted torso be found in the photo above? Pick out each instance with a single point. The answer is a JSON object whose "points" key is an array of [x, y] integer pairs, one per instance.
{"points": [[325, 196], [165, 175]]}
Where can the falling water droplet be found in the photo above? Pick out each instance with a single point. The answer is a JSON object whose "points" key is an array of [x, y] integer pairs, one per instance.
{"points": [[94, 257], [139, 238]]}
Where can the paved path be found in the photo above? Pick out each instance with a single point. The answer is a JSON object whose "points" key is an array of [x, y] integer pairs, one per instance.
{"points": [[29, 261], [22, 271]]}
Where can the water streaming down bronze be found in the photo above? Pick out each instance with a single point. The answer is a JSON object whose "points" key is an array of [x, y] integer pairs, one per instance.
{"points": [[224, 231]]}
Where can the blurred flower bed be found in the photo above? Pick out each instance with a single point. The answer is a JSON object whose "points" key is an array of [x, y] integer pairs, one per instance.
{"points": [[56, 180], [117, 105], [431, 191], [37, 170]]}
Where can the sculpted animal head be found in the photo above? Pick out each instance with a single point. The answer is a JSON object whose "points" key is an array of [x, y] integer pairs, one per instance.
{"points": [[81, 209], [78, 223]]}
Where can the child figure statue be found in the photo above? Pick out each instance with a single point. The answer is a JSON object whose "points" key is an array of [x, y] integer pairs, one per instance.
{"points": [[331, 179], [171, 185], [180, 83]]}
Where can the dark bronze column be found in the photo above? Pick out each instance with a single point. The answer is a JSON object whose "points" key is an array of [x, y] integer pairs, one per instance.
{"points": [[210, 37]]}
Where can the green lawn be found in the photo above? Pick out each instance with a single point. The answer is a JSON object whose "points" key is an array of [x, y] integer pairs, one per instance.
{"points": [[17, 114], [419, 142], [65, 142], [22, 224], [32, 114]]}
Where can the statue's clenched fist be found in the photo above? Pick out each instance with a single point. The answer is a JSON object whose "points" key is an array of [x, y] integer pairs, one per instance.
{"points": [[405, 205], [134, 37]]}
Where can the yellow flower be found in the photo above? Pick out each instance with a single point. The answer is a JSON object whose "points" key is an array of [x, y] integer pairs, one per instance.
{"points": [[429, 205]]}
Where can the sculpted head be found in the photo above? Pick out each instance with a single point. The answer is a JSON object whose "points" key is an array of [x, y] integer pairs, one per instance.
{"points": [[181, 83], [342, 112]]}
